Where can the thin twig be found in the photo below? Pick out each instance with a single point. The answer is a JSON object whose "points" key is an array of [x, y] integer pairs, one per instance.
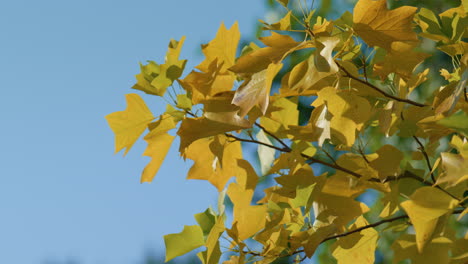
{"points": [[377, 89], [343, 169], [389, 220], [254, 141], [272, 135], [428, 162], [364, 68], [329, 156]]}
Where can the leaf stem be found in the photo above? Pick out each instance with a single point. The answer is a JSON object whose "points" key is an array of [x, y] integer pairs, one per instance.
{"points": [[428, 162]]}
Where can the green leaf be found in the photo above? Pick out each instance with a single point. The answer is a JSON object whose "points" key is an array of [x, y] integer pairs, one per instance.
{"points": [[181, 243], [154, 78], [457, 121], [206, 220]]}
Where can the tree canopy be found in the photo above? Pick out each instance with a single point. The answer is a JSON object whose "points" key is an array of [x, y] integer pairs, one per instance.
{"points": [[359, 147]]}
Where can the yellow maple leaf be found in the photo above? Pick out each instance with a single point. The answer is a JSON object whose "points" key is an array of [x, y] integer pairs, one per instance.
{"points": [[277, 47], [158, 146], [222, 48], [437, 250], [256, 91], [347, 113], [426, 206], [215, 160], [378, 26], [358, 247], [159, 143], [455, 169], [337, 210], [249, 218], [209, 82], [402, 60], [192, 129], [129, 124]]}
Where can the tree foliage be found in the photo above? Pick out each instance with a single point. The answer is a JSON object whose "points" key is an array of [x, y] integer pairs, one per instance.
{"points": [[381, 152]]}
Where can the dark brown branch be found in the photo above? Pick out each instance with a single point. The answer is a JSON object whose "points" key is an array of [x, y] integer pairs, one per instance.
{"points": [[389, 220], [428, 162], [273, 136], [255, 141], [377, 89], [343, 169]]}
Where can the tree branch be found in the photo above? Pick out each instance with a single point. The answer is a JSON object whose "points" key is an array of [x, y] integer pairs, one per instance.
{"points": [[273, 136], [287, 149], [377, 89], [389, 220], [428, 162]]}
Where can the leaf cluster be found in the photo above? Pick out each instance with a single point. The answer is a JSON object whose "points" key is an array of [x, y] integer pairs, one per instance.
{"points": [[372, 127]]}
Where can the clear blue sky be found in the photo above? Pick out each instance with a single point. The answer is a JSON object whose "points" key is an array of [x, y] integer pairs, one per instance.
{"points": [[64, 65]]}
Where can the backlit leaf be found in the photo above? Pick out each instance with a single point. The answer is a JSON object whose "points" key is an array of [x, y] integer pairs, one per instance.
{"points": [[256, 91], [266, 154]]}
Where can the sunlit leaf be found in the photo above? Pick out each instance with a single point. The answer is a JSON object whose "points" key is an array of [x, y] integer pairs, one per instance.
{"points": [[207, 166], [378, 26], [128, 125]]}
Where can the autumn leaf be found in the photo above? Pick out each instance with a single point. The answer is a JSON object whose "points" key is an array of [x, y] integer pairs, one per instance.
{"points": [[128, 125], [426, 206], [283, 24], [158, 147], [192, 129], [437, 250], [221, 49], [179, 244], [309, 136], [249, 218], [208, 83], [256, 91], [258, 60], [358, 247], [213, 251], [401, 59], [378, 26], [215, 160], [455, 169], [347, 113], [154, 78]]}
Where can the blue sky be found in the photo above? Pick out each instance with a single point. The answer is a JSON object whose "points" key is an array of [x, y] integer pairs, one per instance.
{"points": [[64, 65]]}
